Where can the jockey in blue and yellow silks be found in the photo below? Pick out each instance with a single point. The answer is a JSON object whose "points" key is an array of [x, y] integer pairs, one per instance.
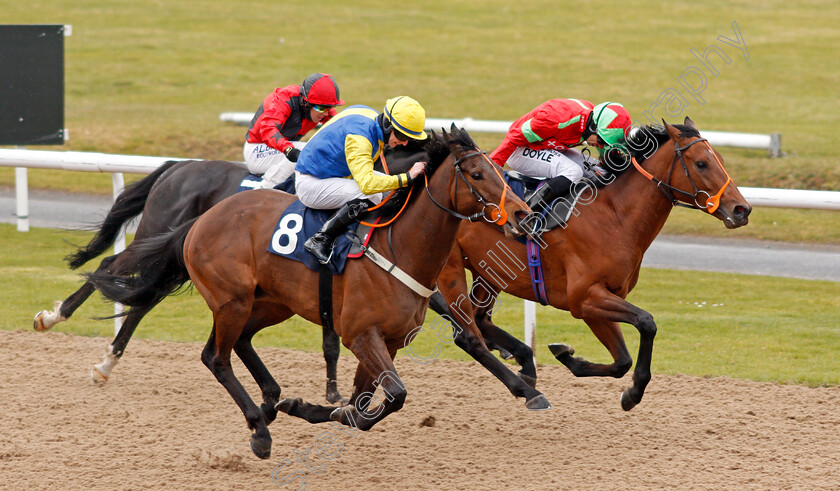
{"points": [[335, 169]]}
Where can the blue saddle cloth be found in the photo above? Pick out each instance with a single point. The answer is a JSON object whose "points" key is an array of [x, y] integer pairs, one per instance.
{"points": [[517, 186], [297, 224], [253, 181]]}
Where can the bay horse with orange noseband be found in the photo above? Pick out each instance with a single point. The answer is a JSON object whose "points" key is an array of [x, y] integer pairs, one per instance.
{"points": [[224, 253], [591, 265]]}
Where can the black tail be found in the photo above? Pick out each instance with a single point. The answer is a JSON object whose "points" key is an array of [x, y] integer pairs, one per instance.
{"points": [[157, 271], [128, 205]]}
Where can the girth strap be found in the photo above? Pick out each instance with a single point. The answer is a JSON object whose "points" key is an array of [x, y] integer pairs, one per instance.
{"points": [[535, 268], [397, 273], [325, 298]]}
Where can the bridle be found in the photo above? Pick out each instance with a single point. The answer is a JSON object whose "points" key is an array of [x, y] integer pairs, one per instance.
{"points": [[711, 203], [497, 215]]}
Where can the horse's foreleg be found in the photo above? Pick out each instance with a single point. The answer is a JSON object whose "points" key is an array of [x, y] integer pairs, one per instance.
{"points": [[602, 311], [362, 384], [315, 413], [331, 344], [484, 299], [475, 347], [609, 333], [522, 353], [375, 359]]}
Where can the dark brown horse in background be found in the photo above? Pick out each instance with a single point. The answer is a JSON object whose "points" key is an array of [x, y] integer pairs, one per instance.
{"points": [[224, 253]]}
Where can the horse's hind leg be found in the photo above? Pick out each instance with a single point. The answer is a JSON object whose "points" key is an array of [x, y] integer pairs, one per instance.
{"points": [[229, 319], [101, 372], [261, 318], [62, 311]]}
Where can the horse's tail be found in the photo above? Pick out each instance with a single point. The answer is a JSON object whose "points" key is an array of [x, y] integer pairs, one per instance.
{"points": [[128, 205], [157, 270]]}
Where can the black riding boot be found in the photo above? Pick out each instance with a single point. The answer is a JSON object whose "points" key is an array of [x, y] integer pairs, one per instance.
{"points": [[321, 244], [548, 192]]}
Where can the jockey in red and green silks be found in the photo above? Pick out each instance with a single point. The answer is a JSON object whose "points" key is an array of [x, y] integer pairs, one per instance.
{"points": [[540, 143]]}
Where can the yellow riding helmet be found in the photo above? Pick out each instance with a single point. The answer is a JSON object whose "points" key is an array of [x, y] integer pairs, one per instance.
{"points": [[407, 116]]}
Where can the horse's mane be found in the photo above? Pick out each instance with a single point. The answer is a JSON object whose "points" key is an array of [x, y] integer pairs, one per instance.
{"points": [[638, 144], [437, 150], [438, 146]]}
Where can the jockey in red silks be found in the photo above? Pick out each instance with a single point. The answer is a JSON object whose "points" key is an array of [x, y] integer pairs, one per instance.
{"points": [[285, 116], [539, 144]]}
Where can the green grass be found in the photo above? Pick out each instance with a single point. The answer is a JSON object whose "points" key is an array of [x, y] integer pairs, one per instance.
{"points": [[150, 78], [750, 327]]}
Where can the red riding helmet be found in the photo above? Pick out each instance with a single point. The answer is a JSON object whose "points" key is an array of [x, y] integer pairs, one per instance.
{"points": [[320, 89]]}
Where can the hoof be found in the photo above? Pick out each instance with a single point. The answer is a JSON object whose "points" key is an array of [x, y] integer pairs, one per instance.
{"points": [[335, 398], [627, 402], [97, 377], [46, 319], [538, 403], [288, 405], [505, 354], [38, 324], [559, 350], [349, 416], [269, 413], [531, 381], [261, 447]]}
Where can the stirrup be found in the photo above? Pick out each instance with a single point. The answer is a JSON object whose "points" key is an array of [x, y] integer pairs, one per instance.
{"points": [[316, 248]]}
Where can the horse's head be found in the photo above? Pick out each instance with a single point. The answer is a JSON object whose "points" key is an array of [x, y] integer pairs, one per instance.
{"points": [[477, 189], [698, 177]]}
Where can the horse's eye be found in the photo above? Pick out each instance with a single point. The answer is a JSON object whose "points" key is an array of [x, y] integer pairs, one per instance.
{"points": [[477, 176], [701, 164]]}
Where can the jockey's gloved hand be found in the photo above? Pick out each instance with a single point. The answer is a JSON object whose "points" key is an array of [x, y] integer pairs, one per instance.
{"points": [[615, 159], [395, 203], [292, 154]]}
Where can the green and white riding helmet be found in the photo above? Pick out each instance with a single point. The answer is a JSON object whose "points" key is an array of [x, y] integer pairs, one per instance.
{"points": [[611, 122]]}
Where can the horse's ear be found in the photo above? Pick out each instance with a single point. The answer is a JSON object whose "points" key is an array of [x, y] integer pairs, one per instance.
{"points": [[673, 132], [688, 122]]}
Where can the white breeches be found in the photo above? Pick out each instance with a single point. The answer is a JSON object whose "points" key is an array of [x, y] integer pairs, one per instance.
{"points": [[269, 163], [549, 163], [329, 193]]}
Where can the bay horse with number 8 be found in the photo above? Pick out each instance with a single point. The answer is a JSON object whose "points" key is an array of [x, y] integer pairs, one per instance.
{"points": [[224, 253]]}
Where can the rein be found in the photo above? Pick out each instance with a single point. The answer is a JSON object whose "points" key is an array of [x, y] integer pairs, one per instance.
{"points": [[711, 202], [390, 195], [498, 215]]}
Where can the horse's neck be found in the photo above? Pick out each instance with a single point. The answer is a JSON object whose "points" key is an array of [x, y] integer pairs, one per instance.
{"points": [[640, 207], [423, 236]]}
